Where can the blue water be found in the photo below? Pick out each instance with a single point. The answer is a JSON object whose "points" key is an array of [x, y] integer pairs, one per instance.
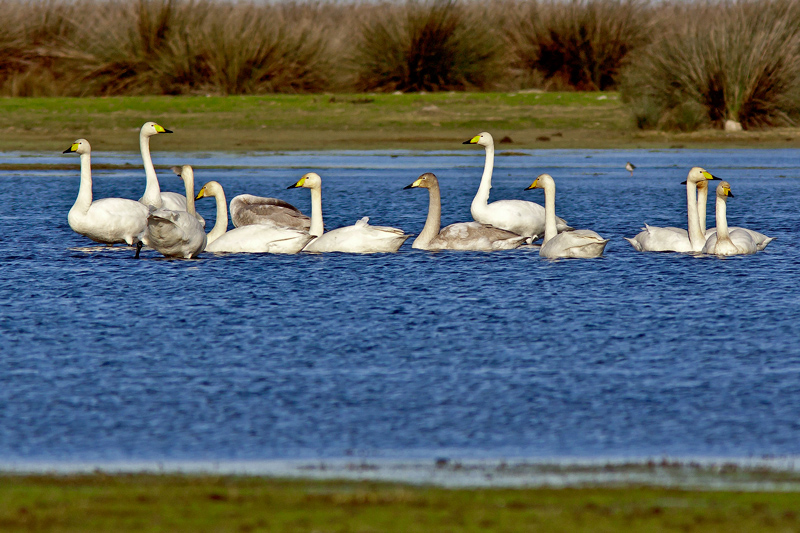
{"points": [[407, 355]]}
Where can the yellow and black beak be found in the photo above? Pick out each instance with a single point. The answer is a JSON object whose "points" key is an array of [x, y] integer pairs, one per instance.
{"points": [[474, 140], [534, 185], [709, 176], [201, 194], [72, 148], [728, 192], [416, 183], [298, 184], [161, 129]]}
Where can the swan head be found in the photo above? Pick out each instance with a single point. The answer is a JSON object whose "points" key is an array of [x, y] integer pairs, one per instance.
{"points": [[151, 128], [80, 147], [484, 139], [697, 175], [542, 181], [212, 188], [724, 190], [426, 181], [184, 171], [310, 180]]}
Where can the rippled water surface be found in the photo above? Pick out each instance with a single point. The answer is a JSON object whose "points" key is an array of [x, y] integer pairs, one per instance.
{"points": [[413, 354]]}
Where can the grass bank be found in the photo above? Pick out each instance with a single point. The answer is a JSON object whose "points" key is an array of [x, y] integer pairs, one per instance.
{"points": [[145, 502], [350, 121]]}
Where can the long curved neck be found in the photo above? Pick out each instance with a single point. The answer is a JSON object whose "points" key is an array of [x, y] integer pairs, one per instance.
{"points": [[221, 225], [702, 201], [434, 221], [550, 229], [722, 220], [152, 192], [317, 227], [482, 197], [188, 182], [84, 199], [696, 237]]}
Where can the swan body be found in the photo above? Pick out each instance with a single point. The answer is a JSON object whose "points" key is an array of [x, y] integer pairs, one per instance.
{"points": [[256, 238], [360, 238], [177, 233], [760, 239], [723, 241], [518, 216], [670, 239], [582, 243], [247, 209], [460, 236], [109, 220], [152, 193]]}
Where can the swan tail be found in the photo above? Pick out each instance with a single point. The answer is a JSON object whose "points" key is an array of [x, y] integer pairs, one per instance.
{"points": [[362, 223], [636, 244]]}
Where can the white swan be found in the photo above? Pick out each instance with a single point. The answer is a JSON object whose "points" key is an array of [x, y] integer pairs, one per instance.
{"points": [[359, 238], [460, 236], [109, 220], [177, 233], [247, 209], [724, 242], [152, 193], [655, 239], [760, 239], [256, 238], [518, 216], [579, 243]]}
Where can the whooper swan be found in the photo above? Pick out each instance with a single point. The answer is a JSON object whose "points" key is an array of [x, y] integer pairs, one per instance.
{"points": [[656, 239], [107, 221], [247, 209], [518, 216], [255, 238], [460, 236], [360, 238], [152, 192], [722, 241], [760, 239], [580, 243], [177, 233]]}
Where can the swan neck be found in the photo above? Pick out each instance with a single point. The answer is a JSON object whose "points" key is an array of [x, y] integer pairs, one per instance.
{"points": [[152, 192], [550, 229], [434, 221], [317, 227], [188, 183], [84, 200], [696, 237], [221, 225], [482, 197], [722, 219], [702, 202]]}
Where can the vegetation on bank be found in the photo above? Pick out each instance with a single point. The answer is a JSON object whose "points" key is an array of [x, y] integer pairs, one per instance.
{"points": [[175, 503], [680, 66]]}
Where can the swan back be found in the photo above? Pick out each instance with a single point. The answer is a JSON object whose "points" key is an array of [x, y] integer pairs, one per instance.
{"points": [[248, 209]]}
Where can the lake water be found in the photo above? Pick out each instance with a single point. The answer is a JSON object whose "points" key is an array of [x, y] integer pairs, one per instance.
{"points": [[412, 355]]}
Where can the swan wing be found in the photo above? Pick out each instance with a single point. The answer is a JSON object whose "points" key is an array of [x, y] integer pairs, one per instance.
{"points": [[760, 239], [247, 209], [582, 243], [175, 233], [359, 238], [261, 238], [111, 221], [656, 239], [476, 236]]}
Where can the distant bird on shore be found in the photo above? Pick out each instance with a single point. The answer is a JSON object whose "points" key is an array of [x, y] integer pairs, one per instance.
{"points": [[629, 167]]}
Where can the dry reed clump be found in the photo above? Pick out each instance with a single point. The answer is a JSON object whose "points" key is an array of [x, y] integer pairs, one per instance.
{"points": [[426, 46], [577, 44], [719, 61]]}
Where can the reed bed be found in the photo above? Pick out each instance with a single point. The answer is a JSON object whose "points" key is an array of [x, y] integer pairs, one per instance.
{"points": [[678, 65]]}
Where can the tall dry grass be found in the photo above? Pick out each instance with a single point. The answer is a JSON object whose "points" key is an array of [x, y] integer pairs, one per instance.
{"points": [[426, 46], [719, 61], [576, 44]]}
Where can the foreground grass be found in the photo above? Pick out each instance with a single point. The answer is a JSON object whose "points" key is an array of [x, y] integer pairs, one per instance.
{"points": [[144, 502], [318, 122]]}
